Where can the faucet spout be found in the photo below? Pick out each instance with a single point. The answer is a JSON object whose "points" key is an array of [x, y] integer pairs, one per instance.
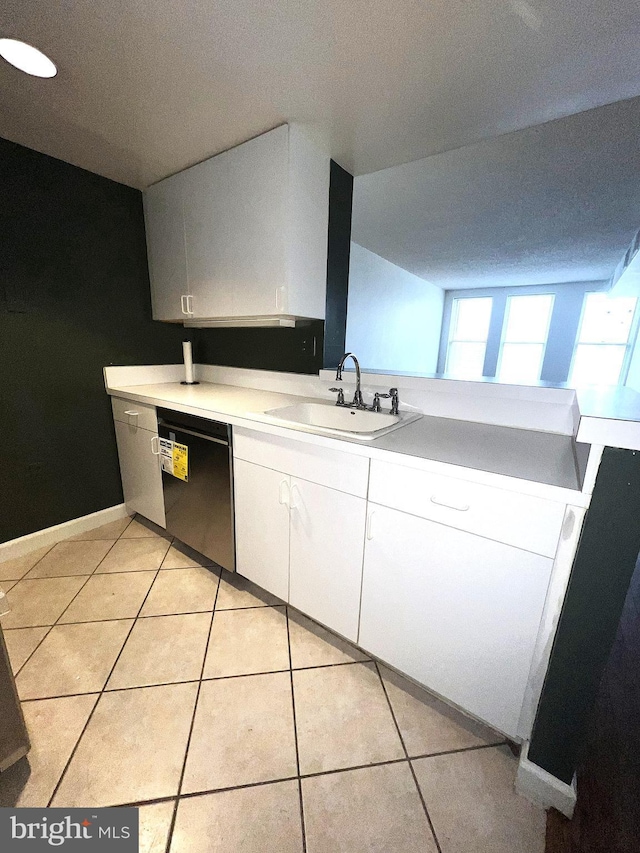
{"points": [[357, 397]]}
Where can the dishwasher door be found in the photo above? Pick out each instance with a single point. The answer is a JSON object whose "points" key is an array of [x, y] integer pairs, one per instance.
{"points": [[199, 511]]}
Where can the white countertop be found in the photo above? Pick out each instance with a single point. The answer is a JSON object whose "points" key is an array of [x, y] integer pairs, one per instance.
{"points": [[534, 461], [609, 416]]}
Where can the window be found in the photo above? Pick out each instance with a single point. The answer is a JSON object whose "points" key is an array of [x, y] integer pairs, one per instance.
{"points": [[524, 338], [468, 338], [603, 340]]}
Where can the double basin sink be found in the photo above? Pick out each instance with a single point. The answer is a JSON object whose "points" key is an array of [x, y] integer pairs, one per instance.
{"points": [[340, 420]]}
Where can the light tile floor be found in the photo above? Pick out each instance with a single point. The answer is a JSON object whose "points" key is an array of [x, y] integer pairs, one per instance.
{"points": [[238, 725]]}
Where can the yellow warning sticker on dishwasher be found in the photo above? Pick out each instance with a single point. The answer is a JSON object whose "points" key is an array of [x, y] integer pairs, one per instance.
{"points": [[180, 461], [174, 458]]}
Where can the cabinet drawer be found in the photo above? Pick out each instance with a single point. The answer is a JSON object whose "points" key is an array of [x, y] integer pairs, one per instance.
{"points": [[342, 471], [527, 522], [139, 414]]}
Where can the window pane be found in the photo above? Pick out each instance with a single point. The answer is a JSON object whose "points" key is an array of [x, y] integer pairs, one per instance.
{"points": [[520, 362], [597, 365], [528, 318], [465, 360], [471, 319], [606, 320]]}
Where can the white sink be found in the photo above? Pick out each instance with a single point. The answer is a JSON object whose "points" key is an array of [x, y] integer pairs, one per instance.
{"points": [[340, 420]]}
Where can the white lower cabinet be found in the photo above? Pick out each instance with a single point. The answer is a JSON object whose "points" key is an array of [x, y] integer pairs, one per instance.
{"points": [[140, 471], [457, 612], [301, 541], [262, 526], [326, 547]]}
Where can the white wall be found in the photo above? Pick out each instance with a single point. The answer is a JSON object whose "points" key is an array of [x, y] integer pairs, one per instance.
{"points": [[633, 377], [393, 317]]}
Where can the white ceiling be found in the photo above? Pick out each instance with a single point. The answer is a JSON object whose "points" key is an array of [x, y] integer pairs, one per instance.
{"points": [[147, 87], [555, 203]]}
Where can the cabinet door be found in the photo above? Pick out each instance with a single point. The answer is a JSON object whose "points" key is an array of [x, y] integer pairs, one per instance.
{"points": [[457, 612], [140, 471], [327, 542], [235, 229], [206, 239], [262, 526], [164, 226]]}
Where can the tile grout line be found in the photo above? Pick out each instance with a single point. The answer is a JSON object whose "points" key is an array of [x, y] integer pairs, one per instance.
{"points": [[192, 725], [31, 568], [207, 791], [187, 680], [456, 751], [101, 693], [51, 627], [295, 736], [177, 797], [406, 752], [190, 795]]}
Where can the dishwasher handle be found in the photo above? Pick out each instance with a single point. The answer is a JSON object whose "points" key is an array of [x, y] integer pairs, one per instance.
{"points": [[178, 428]]}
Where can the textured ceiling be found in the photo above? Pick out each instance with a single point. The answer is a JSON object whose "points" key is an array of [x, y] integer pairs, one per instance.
{"points": [[554, 203], [147, 87]]}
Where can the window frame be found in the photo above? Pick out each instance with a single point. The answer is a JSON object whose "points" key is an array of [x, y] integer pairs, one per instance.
{"points": [[629, 346], [558, 370], [505, 323], [451, 330]]}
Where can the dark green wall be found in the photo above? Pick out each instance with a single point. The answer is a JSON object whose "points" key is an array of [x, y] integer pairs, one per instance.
{"points": [[296, 350], [338, 251], [74, 296]]}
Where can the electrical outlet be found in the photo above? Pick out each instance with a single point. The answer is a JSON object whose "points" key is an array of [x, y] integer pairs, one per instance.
{"points": [[309, 345]]}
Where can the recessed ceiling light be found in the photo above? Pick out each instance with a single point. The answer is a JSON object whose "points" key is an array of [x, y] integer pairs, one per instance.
{"points": [[27, 58]]}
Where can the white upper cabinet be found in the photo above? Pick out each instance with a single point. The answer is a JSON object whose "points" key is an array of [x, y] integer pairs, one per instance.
{"points": [[254, 225], [166, 248]]}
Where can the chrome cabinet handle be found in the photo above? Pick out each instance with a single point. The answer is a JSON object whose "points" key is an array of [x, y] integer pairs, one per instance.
{"points": [[183, 302], [450, 505], [155, 448], [279, 298], [130, 413], [190, 305]]}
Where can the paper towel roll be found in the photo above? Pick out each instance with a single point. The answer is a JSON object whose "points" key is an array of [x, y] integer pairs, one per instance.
{"points": [[188, 362]]}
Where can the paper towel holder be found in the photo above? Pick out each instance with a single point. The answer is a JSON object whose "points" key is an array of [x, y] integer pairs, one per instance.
{"points": [[188, 364]]}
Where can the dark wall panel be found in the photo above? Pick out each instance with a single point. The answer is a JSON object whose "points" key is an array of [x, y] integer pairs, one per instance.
{"points": [[74, 294], [338, 249], [296, 350], [600, 578]]}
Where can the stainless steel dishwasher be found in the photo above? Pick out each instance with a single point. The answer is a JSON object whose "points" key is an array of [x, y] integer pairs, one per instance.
{"points": [[198, 503]]}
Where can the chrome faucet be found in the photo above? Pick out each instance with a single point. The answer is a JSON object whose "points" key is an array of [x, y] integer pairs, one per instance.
{"points": [[357, 402], [392, 395]]}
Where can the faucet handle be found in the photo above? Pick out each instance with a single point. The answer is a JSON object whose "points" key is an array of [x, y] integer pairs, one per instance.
{"points": [[376, 401], [393, 393], [340, 400]]}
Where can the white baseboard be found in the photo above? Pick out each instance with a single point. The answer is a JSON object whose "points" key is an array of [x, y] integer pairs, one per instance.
{"points": [[542, 788], [51, 535]]}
